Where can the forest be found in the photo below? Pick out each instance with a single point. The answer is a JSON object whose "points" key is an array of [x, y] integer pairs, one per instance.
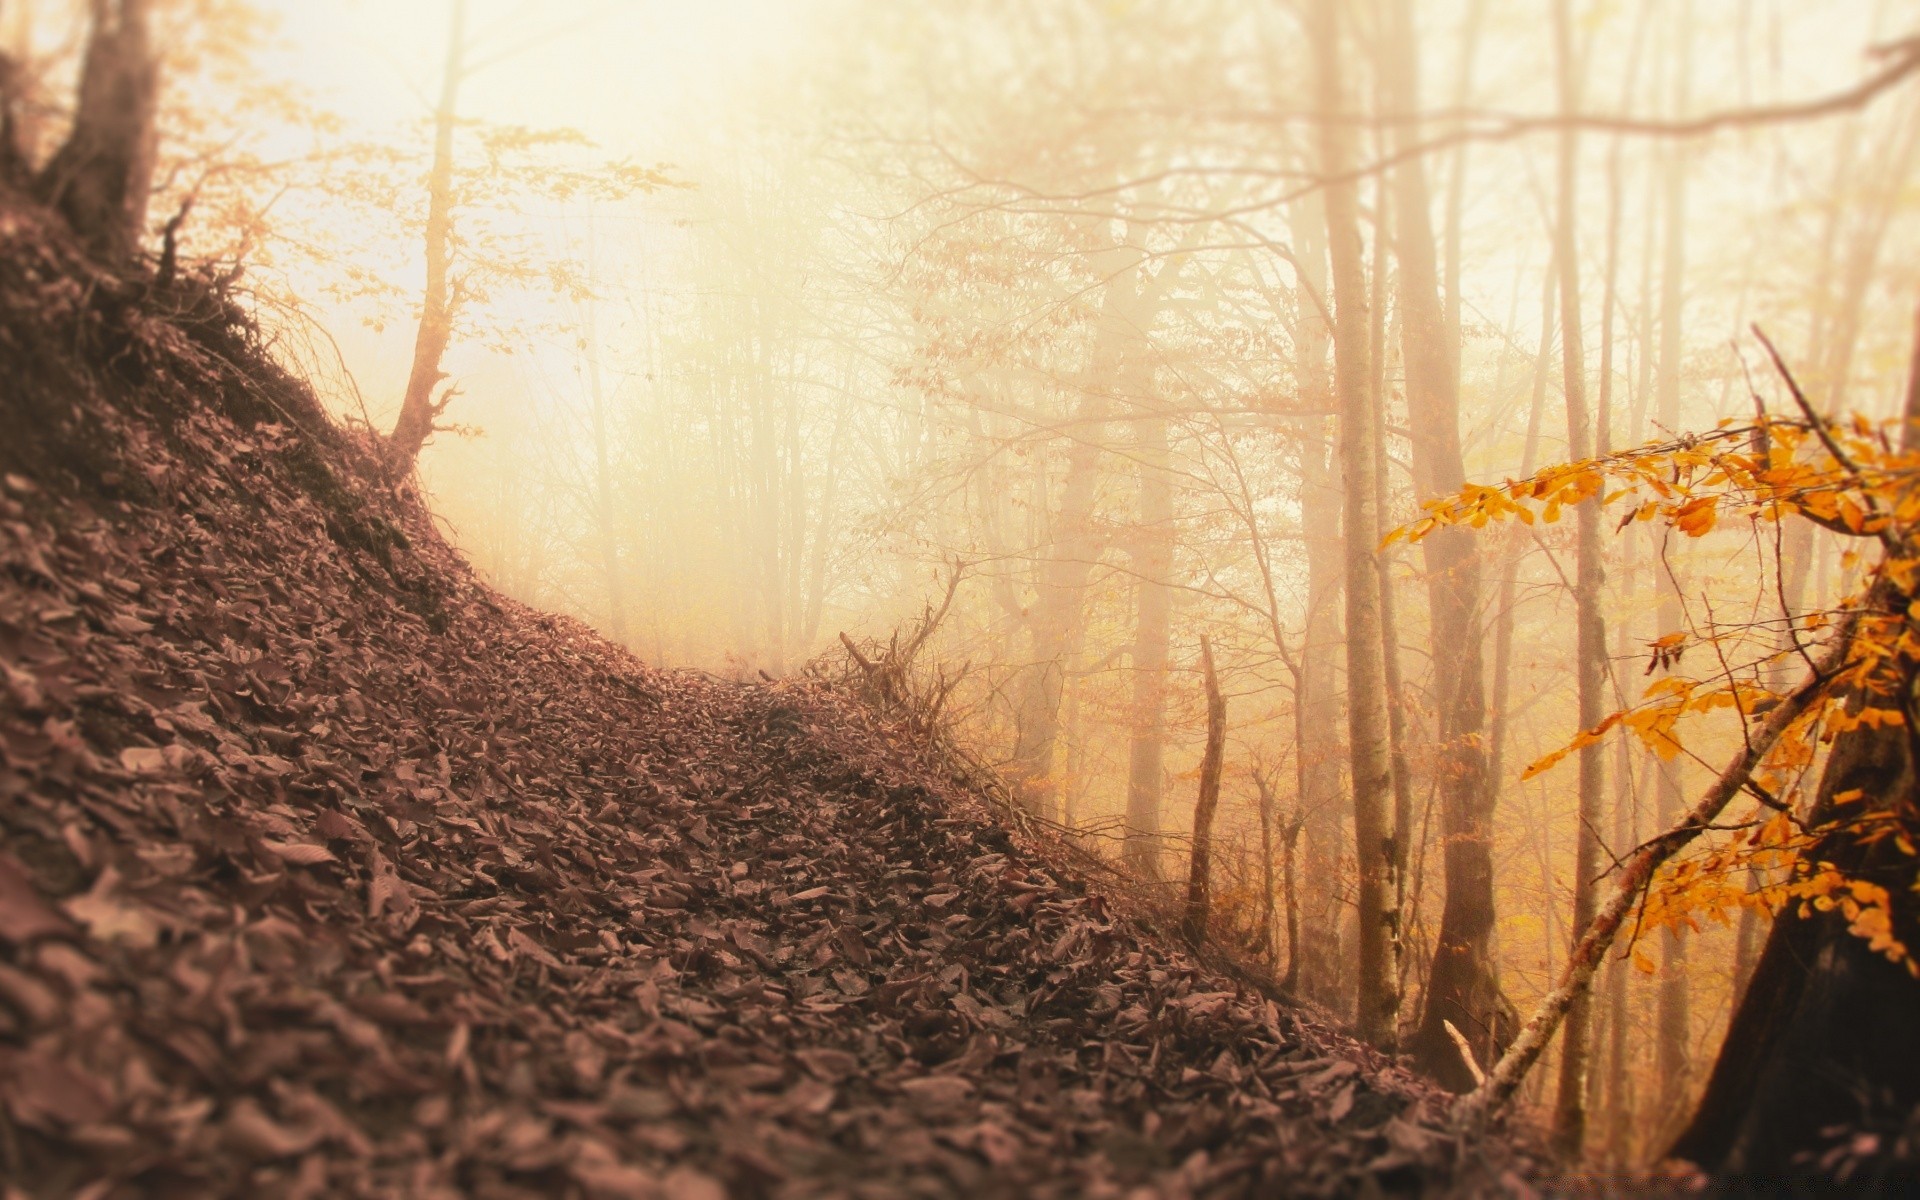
{"points": [[799, 598]]}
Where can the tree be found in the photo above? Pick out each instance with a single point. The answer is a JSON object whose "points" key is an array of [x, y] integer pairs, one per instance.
{"points": [[1673, 1033], [100, 177], [1823, 1041], [1152, 643], [1118, 365], [419, 407], [1368, 748], [1462, 987], [1590, 650], [460, 269], [1200, 866]]}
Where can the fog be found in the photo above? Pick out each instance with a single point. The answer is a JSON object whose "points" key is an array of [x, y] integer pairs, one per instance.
{"points": [[821, 302]]}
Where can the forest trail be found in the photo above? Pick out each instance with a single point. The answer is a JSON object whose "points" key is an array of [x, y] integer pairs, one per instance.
{"points": [[325, 871]]}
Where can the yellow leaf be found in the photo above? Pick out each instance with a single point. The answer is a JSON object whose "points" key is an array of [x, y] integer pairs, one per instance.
{"points": [[1697, 516]]}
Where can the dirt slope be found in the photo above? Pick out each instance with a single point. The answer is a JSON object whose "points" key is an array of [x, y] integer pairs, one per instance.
{"points": [[325, 871]]}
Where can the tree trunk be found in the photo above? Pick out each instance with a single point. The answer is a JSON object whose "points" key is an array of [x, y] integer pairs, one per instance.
{"points": [[1570, 1114], [1400, 837], [419, 408], [1673, 1035], [1291, 897], [1824, 1043], [1152, 646], [1462, 987], [1498, 723], [1269, 947], [16, 154], [1199, 883], [100, 178], [605, 509], [1323, 968], [1376, 1001], [1118, 366], [1626, 832]]}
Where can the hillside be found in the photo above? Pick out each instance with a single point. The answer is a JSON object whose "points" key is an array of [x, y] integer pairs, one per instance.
{"points": [[325, 871]]}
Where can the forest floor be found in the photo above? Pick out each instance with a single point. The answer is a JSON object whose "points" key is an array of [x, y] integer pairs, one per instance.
{"points": [[324, 870]]}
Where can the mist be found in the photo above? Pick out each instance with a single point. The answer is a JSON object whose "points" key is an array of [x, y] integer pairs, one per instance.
{"points": [[1135, 364]]}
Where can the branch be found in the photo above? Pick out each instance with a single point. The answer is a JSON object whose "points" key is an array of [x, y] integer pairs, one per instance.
{"points": [[1472, 1110], [1806, 407], [1905, 56]]}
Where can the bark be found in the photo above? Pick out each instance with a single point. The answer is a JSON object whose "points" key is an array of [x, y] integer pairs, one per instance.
{"points": [[1199, 869], [1570, 1111], [1619, 1098], [1267, 945], [1323, 969], [1370, 768], [1292, 899], [1673, 1038], [1462, 986], [1289, 896], [1400, 836], [1152, 647], [439, 303], [100, 178]]}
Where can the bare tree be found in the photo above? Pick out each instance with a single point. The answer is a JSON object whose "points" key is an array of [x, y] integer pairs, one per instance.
{"points": [[1462, 987], [100, 178], [1377, 998], [1590, 650], [420, 407], [1200, 866]]}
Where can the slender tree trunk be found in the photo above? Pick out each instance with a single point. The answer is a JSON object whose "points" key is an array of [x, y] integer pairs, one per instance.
{"points": [[1462, 987], [1570, 1115], [604, 507], [1152, 647], [1400, 838], [1673, 1036], [1199, 883], [1506, 598], [1619, 1099], [1323, 969], [1626, 832], [1118, 366], [1457, 176], [1292, 899], [439, 304], [1370, 766], [100, 178], [1269, 946]]}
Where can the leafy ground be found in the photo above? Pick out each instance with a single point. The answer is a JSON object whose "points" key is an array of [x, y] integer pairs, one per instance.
{"points": [[326, 871]]}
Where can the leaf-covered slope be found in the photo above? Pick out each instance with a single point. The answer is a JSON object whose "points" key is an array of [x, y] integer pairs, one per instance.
{"points": [[325, 871]]}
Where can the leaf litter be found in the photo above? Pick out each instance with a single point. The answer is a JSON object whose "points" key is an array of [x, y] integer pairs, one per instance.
{"points": [[326, 871]]}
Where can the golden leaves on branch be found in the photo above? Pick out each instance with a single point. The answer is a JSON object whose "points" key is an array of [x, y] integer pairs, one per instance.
{"points": [[1764, 470], [1845, 476]]}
